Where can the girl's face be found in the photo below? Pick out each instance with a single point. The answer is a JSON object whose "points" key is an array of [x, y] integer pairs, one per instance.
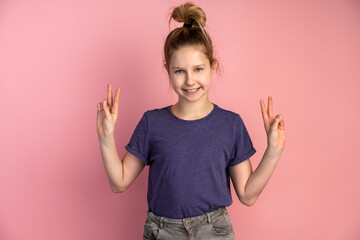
{"points": [[190, 73]]}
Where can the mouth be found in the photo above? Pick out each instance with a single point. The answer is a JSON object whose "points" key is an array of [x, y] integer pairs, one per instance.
{"points": [[192, 91]]}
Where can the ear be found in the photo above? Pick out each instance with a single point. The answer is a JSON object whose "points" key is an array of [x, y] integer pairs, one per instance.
{"points": [[213, 67]]}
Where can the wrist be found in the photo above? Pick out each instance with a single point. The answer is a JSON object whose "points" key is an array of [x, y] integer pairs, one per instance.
{"points": [[106, 137], [274, 150]]}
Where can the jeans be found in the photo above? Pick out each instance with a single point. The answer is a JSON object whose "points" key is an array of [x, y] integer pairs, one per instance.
{"points": [[209, 226]]}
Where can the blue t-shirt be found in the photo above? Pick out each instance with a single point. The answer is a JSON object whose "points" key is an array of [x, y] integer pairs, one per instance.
{"points": [[189, 159]]}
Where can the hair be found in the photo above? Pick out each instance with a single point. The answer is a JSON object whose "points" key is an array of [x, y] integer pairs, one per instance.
{"points": [[195, 35]]}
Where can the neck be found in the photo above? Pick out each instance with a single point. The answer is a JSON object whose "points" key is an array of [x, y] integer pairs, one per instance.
{"points": [[192, 110]]}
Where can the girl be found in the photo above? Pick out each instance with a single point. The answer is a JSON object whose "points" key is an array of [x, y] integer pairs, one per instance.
{"points": [[193, 147]]}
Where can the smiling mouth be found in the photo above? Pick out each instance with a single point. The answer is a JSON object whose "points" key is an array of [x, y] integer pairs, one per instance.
{"points": [[192, 90]]}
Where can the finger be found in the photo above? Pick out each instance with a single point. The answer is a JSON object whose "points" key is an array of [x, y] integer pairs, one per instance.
{"points": [[263, 109], [109, 95], [276, 122], [282, 125], [270, 107], [98, 107], [116, 102], [106, 109]]}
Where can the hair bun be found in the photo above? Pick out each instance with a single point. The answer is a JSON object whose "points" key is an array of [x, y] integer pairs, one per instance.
{"points": [[189, 13], [192, 34]]}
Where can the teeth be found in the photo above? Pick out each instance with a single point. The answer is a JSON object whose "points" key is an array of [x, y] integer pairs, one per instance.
{"points": [[193, 90]]}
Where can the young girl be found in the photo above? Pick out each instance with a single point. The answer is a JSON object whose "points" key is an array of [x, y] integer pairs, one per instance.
{"points": [[193, 147]]}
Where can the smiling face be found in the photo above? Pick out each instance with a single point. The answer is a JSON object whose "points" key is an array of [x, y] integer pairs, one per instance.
{"points": [[190, 74]]}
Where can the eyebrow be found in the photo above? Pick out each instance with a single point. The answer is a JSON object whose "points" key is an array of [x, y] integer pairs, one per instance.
{"points": [[199, 65]]}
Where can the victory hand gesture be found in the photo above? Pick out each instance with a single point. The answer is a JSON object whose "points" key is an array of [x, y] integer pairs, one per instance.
{"points": [[107, 113], [274, 127]]}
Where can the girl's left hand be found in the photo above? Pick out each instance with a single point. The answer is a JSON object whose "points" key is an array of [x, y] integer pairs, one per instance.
{"points": [[274, 127]]}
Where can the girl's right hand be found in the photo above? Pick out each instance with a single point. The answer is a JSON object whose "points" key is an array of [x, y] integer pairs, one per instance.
{"points": [[107, 113]]}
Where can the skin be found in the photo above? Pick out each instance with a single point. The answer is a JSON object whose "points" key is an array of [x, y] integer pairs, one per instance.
{"points": [[190, 69], [249, 184], [186, 74]]}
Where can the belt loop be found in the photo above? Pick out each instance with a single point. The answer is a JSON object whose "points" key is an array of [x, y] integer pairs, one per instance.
{"points": [[208, 216], [161, 222]]}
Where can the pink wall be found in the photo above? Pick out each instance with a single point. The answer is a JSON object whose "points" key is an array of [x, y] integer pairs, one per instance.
{"points": [[56, 59]]}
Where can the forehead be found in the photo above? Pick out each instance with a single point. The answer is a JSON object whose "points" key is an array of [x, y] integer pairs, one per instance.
{"points": [[188, 55]]}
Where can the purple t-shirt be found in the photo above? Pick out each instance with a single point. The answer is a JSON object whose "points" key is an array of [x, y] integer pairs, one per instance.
{"points": [[189, 159]]}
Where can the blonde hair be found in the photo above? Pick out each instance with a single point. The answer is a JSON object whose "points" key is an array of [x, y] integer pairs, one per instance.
{"points": [[195, 35]]}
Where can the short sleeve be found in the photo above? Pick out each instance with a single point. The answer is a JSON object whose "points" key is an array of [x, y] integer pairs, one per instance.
{"points": [[243, 147], [139, 144]]}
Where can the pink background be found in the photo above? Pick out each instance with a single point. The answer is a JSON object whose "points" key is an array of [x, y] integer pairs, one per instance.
{"points": [[57, 57]]}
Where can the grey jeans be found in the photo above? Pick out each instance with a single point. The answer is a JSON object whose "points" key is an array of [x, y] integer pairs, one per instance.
{"points": [[209, 226]]}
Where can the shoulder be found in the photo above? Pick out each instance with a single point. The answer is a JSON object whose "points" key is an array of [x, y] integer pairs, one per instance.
{"points": [[228, 115], [156, 114], [226, 112], [231, 119], [156, 111]]}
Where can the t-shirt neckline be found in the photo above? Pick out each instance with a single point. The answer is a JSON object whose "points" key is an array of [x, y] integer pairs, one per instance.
{"points": [[195, 120]]}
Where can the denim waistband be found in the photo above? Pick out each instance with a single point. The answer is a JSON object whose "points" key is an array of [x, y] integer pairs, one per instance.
{"points": [[215, 213]]}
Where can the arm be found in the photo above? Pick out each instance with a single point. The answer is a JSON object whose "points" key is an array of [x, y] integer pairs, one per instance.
{"points": [[121, 173], [248, 184]]}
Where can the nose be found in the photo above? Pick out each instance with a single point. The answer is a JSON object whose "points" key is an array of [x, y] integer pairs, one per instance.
{"points": [[189, 79]]}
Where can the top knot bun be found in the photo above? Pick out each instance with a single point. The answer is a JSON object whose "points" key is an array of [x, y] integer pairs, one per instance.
{"points": [[192, 33], [189, 13]]}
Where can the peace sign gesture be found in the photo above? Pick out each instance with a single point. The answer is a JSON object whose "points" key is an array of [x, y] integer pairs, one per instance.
{"points": [[107, 113], [274, 127]]}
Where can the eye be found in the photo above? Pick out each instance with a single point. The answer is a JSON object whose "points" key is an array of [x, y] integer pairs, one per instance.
{"points": [[198, 69], [178, 71]]}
